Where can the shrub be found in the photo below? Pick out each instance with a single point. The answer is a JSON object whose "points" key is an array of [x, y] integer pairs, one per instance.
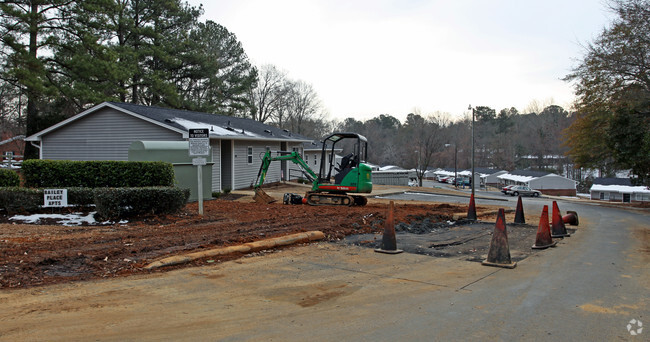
{"points": [[117, 203], [93, 174], [81, 196], [20, 200], [9, 178]]}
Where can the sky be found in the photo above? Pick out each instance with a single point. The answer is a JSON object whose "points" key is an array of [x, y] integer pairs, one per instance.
{"points": [[370, 57]]}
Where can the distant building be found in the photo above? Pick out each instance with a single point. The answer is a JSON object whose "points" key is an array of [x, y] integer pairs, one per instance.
{"points": [[547, 183], [618, 190]]}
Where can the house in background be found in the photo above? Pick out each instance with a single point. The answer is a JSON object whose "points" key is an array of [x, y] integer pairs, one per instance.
{"points": [[489, 176], [547, 183], [618, 190], [312, 152], [12, 146], [105, 132]]}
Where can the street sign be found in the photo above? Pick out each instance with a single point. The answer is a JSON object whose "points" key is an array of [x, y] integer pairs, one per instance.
{"points": [[199, 161], [199, 141]]}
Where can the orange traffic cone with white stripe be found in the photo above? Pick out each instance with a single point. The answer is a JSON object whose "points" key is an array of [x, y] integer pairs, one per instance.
{"points": [[388, 240], [543, 238], [499, 253]]}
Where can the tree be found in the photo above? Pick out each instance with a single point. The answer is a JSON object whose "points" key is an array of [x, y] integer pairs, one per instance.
{"points": [[223, 78], [423, 140], [29, 27], [615, 65], [269, 93], [302, 104]]}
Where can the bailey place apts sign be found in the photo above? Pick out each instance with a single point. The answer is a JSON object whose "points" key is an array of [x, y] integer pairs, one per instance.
{"points": [[55, 198]]}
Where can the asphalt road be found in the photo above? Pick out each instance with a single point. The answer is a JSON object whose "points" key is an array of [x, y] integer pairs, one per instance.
{"points": [[588, 288]]}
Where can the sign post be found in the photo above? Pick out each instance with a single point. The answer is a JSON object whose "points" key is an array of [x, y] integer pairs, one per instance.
{"points": [[199, 139]]}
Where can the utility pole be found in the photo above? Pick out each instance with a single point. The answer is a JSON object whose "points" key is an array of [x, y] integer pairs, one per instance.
{"points": [[472, 175]]}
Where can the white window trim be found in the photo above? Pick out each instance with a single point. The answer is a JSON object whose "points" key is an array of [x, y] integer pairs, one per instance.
{"points": [[249, 155]]}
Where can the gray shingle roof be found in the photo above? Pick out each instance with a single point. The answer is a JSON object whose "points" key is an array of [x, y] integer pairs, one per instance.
{"points": [[220, 125], [613, 181]]}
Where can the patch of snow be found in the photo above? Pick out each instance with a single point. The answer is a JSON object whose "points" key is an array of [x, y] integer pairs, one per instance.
{"points": [[214, 130], [74, 219]]}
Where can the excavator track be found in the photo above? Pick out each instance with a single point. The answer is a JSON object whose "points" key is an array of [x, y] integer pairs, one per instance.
{"points": [[319, 198]]}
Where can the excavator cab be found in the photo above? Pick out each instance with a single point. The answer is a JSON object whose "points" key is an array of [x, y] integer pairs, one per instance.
{"points": [[350, 174]]}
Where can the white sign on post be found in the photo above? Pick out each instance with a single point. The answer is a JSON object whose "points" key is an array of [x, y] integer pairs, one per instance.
{"points": [[199, 161], [199, 141], [199, 146], [55, 198]]}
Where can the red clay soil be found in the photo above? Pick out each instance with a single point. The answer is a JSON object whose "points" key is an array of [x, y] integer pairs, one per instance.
{"points": [[39, 254]]}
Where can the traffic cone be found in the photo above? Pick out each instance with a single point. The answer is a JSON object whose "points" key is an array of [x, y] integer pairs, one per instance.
{"points": [[519, 214], [471, 212], [571, 218], [388, 240], [499, 253], [543, 239], [558, 228]]}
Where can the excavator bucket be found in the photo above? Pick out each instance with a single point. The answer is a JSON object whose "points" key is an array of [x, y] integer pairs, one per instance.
{"points": [[262, 197]]}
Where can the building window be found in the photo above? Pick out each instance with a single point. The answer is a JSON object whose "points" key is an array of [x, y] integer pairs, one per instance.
{"points": [[250, 154], [601, 196], [642, 197], [315, 159]]}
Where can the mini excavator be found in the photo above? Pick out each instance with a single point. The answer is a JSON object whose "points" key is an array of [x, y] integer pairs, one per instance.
{"points": [[352, 175]]}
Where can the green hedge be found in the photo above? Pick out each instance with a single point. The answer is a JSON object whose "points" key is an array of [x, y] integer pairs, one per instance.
{"points": [[95, 174], [111, 203], [9, 178], [20, 200], [116, 203]]}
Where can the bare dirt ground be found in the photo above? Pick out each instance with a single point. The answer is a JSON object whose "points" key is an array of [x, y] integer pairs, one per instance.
{"points": [[46, 253]]}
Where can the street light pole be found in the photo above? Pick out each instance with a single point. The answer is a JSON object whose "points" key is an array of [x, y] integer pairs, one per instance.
{"points": [[455, 164], [472, 180]]}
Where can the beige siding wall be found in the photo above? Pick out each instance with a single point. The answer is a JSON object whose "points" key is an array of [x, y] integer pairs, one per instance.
{"points": [[103, 135]]}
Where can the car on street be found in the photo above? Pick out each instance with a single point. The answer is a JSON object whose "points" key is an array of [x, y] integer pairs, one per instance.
{"points": [[523, 190], [462, 182], [506, 188]]}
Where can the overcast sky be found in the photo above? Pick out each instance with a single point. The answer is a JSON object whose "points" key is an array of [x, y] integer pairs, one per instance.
{"points": [[371, 57]]}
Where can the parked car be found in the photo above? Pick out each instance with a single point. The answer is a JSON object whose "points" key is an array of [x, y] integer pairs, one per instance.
{"points": [[506, 188], [524, 191], [462, 181]]}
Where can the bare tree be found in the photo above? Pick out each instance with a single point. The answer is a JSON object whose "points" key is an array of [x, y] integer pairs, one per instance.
{"points": [[302, 103], [270, 93]]}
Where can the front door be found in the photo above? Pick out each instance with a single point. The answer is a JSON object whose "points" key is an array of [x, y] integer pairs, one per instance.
{"points": [[226, 165]]}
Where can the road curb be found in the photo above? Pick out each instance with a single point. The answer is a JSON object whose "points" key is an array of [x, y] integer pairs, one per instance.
{"points": [[244, 248]]}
